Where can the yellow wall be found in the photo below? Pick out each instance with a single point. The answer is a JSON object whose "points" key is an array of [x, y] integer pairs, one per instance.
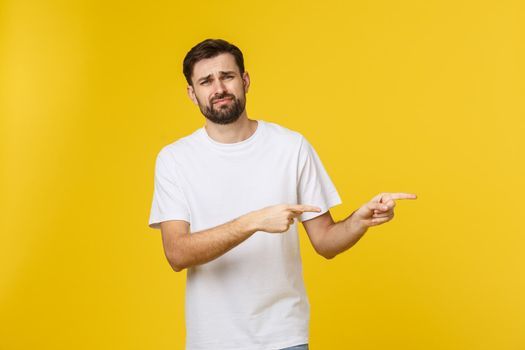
{"points": [[416, 96]]}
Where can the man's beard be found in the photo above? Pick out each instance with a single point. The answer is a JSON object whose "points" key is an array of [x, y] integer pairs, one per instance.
{"points": [[224, 114]]}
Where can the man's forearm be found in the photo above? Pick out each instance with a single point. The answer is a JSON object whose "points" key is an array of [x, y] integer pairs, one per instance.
{"points": [[341, 236], [203, 246], [190, 249]]}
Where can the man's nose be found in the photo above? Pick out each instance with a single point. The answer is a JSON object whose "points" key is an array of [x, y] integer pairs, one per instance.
{"points": [[219, 87]]}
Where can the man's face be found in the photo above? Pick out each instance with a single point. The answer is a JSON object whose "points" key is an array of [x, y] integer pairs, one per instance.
{"points": [[219, 89]]}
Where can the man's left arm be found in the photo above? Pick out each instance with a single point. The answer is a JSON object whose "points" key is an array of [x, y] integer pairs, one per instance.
{"points": [[329, 238]]}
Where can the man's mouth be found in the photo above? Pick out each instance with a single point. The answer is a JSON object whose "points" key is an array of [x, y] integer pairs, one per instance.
{"points": [[222, 100]]}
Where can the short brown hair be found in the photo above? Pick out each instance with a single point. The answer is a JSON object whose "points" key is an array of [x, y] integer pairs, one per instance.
{"points": [[207, 49]]}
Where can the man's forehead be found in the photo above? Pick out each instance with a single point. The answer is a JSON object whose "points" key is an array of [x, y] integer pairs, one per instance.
{"points": [[222, 63]]}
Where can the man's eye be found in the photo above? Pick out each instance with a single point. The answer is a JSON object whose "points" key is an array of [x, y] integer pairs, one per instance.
{"points": [[205, 82]]}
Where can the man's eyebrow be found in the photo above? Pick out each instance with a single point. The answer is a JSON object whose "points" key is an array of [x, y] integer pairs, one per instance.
{"points": [[222, 72], [204, 78]]}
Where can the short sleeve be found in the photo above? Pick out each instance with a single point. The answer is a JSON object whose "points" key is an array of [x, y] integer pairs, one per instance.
{"points": [[169, 202], [314, 185]]}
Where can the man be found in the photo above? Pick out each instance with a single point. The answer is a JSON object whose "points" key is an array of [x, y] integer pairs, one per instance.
{"points": [[226, 199]]}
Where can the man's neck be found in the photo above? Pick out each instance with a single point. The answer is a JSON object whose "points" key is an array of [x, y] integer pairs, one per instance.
{"points": [[237, 131]]}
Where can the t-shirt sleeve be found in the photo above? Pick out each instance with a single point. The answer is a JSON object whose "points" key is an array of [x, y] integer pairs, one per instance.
{"points": [[169, 202], [314, 185]]}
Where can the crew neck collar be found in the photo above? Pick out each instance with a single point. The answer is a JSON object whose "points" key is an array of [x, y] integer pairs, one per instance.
{"points": [[235, 145]]}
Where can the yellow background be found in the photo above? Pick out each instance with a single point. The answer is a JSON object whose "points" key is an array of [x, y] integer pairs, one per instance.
{"points": [[415, 96]]}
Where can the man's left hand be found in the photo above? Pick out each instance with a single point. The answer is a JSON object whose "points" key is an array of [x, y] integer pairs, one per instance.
{"points": [[378, 210]]}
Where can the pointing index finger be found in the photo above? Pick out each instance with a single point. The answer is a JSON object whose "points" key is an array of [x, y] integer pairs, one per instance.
{"points": [[303, 208], [403, 196]]}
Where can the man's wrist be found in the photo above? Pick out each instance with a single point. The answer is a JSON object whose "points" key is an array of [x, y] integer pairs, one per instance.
{"points": [[246, 224], [354, 226]]}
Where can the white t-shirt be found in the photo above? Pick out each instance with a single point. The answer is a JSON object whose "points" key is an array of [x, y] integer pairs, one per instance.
{"points": [[252, 297]]}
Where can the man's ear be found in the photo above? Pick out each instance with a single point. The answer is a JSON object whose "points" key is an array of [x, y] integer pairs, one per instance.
{"points": [[191, 94], [246, 81]]}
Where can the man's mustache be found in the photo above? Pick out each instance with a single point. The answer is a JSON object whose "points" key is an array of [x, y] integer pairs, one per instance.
{"points": [[221, 96]]}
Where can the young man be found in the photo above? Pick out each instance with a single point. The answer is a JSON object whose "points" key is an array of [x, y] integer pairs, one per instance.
{"points": [[226, 199]]}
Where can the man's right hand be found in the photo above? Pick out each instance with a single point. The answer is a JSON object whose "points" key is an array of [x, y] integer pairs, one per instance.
{"points": [[277, 218], [185, 249]]}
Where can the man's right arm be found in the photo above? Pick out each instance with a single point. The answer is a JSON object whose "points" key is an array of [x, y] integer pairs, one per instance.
{"points": [[184, 249]]}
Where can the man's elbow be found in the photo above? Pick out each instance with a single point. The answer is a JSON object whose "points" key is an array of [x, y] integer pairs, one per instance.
{"points": [[324, 253], [175, 263], [327, 256], [322, 250], [177, 268]]}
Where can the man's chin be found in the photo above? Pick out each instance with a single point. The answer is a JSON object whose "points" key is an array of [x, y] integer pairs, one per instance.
{"points": [[223, 120], [223, 114]]}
